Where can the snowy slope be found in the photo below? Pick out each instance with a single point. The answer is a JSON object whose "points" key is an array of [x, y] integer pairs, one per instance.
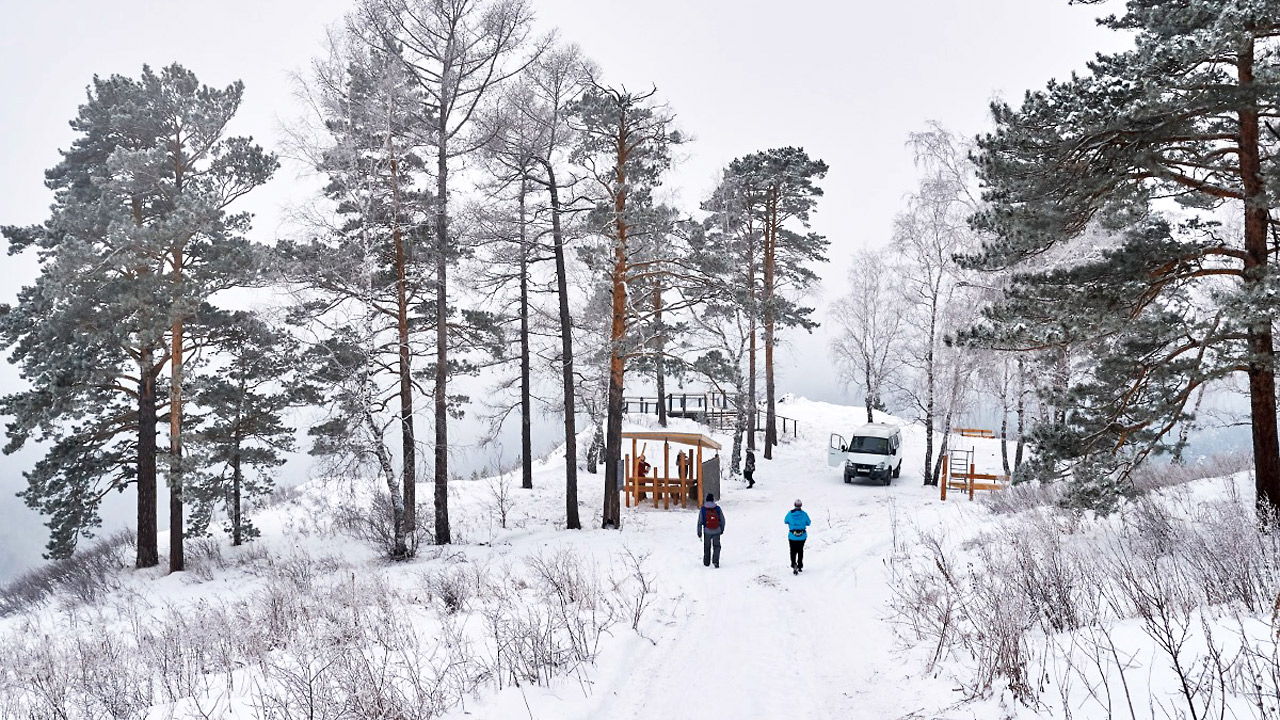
{"points": [[748, 639]]}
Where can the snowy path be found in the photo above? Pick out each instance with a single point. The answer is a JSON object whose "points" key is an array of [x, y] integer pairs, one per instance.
{"points": [[750, 640], [759, 642]]}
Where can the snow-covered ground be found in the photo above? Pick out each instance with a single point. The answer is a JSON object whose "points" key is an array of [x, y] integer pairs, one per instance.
{"points": [[747, 640]]}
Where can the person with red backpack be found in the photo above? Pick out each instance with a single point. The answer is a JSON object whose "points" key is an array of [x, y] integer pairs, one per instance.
{"points": [[710, 528]]}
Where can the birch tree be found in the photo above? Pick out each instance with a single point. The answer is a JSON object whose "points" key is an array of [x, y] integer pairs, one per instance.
{"points": [[869, 322]]}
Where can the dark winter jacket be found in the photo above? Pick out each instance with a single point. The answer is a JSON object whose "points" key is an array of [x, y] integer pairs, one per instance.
{"points": [[750, 465], [710, 507]]}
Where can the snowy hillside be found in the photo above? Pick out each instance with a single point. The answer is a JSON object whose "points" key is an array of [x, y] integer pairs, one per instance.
{"points": [[534, 621]]}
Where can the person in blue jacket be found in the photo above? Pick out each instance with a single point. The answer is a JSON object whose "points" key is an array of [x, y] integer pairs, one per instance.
{"points": [[797, 520], [710, 528]]}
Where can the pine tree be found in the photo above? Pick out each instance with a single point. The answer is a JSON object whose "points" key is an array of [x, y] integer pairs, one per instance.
{"points": [[664, 285], [724, 253], [1145, 155], [781, 188], [625, 140], [139, 237], [240, 401]]}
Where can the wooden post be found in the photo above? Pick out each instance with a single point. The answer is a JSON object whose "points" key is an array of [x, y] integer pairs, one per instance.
{"points": [[626, 485], [945, 479], [972, 470], [700, 495], [634, 466], [666, 476]]}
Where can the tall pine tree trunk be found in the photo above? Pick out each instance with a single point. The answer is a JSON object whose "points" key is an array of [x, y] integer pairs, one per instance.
{"points": [[442, 533], [566, 362], [237, 440], [753, 333], [617, 334], [526, 402], [148, 548], [407, 528], [237, 535], [659, 355], [1262, 381], [770, 389], [177, 531], [177, 561]]}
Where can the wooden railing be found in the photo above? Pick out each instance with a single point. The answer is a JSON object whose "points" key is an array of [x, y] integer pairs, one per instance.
{"points": [[717, 410]]}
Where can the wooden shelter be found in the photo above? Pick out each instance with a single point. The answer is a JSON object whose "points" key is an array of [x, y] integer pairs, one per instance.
{"points": [[670, 480]]}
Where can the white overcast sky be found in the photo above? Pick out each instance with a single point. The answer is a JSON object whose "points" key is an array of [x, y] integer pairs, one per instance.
{"points": [[846, 79]]}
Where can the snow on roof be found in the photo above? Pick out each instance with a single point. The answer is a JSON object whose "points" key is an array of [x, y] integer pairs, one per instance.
{"points": [[880, 430]]}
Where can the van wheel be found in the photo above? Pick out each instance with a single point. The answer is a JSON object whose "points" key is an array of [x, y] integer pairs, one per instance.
{"points": [[897, 472]]}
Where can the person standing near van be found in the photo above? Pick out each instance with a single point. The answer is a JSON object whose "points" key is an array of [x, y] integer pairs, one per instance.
{"points": [[710, 528], [749, 469], [797, 521]]}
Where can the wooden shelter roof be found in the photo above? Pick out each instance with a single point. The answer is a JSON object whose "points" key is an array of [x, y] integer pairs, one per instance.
{"points": [[682, 438]]}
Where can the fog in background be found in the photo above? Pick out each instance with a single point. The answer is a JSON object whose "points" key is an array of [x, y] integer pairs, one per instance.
{"points": [[846, 80]]}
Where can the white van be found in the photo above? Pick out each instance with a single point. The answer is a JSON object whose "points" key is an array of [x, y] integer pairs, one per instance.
{"points": [[874, 451]]}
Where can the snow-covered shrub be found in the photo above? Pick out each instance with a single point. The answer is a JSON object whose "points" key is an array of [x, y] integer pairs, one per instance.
{"points": [[452, 587], [502, 500], [636, 588], [373, 523], [84, 577], [1173, 604], [204, 557], [311, 636], [1021, 497]]}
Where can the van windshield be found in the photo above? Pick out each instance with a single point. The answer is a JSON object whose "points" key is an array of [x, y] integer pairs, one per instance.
{"points": [[871, 445]]}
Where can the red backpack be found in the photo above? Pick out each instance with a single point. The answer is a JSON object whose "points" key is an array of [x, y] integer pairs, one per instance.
{"points": [[711, 518]]}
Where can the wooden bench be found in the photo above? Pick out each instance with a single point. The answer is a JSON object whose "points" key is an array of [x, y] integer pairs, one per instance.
{"points": [[968, 481], [661, 489], [975, 433]]}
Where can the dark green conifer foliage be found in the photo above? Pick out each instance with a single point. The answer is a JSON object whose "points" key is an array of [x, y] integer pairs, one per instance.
{"points": [[624, 139], [239, 406], [138, 237], [1160, 148], [780, 188]]}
